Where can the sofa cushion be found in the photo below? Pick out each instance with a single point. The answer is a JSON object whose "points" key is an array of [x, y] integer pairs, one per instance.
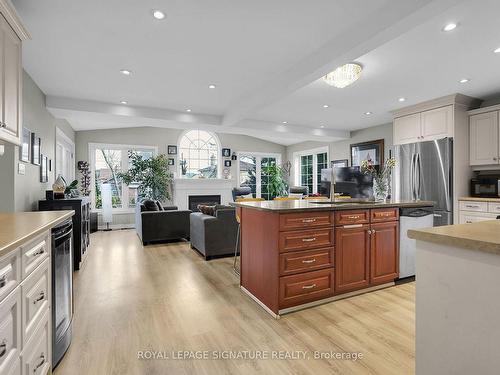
{"points": [[150, 205], [206, 209], [160, 207]]}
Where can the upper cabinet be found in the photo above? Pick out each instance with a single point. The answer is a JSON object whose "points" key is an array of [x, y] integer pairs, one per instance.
{"points": [[484, 138], [424, 126], [11, 34]]}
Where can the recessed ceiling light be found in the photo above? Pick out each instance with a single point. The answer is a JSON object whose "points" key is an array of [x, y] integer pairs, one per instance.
{"points": [[212, 86], [497, 50], [368, 113], [125, 72], [464, 80], [325, 106], [158, 14], [401, 99], [123, 102], [188, 110], [450, 26], [285, 122]]}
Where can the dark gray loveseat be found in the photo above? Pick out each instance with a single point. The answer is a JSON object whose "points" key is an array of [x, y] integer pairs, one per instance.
{"points": [[167, 224], [214, 236]]}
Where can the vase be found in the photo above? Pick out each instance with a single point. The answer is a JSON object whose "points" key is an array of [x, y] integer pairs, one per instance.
{"points": [[59, 186], [380, 189]]}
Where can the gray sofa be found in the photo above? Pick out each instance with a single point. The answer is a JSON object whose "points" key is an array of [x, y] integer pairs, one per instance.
{"points": [[155, 226], [214, 236]]}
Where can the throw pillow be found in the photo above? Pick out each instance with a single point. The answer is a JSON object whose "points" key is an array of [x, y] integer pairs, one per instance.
{"points": [[160, 207], [295, 195], [150, 205], [207, 210]]}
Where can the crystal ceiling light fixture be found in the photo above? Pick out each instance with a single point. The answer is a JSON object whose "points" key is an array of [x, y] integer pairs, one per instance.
{"points": [[344, 75]]}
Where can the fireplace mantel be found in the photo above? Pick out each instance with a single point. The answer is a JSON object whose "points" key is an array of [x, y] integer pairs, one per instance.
{"points": [[184, 187]]}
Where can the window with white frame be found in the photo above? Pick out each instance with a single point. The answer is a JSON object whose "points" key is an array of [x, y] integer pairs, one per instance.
{"points": [[199, 152], [251, 172], [106, 162], [308, 165]]}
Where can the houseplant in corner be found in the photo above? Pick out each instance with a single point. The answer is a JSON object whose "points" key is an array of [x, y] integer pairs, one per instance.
{"points": [[151, 175], [276, 185], [381, 177]]}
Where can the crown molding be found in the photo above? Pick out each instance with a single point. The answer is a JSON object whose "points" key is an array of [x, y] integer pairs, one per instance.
{"points": [[459, 100], [10, 14]]}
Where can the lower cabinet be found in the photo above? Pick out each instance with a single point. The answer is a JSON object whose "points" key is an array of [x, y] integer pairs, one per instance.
{"points": [[384, 248], [352, 257], [305, 287]]}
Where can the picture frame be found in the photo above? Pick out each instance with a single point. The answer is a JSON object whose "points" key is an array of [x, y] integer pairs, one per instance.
{"points": [[44, 172], [339, 163], [371, 150], [226, 152], [36, 149], [171, 161], [234, 156], [172, 150], [25, 147], [227, 163]]}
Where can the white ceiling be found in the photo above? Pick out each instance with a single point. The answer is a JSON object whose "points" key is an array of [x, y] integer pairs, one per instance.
{"points": [[264, 56]]}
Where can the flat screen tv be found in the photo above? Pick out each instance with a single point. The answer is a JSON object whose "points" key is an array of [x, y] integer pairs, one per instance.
{"points": [[349, 181]]}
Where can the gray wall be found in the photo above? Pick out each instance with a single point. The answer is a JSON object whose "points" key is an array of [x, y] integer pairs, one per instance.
{"points": [[23, 191], [341, 149]]}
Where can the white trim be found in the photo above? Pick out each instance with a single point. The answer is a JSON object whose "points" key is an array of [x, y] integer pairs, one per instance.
{"points": [[258, 301], [92, 146], [258, 157], [219, 152], [314, 152], [63, 140]]}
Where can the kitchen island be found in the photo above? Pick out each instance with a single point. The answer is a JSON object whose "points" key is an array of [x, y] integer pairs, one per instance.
{"points": [[457, 299], [300, 253]]}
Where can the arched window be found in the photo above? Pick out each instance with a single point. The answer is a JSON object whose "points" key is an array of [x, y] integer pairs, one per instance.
{"points": [[199, 153]]}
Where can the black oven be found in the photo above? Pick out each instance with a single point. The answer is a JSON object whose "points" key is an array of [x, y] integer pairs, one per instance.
{"points": [[62, 289], [487, 186]]}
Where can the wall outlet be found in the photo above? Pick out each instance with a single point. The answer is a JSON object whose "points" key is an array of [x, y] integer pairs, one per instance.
{"points": [[21, 168]]}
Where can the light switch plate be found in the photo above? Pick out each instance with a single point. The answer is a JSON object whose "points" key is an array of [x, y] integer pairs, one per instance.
{"points": [[21, 168]]}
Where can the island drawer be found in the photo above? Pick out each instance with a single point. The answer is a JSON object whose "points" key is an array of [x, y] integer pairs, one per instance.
{"points": [[352, 217], [305, 287], [302, 261], [384, 214], [300, 220], [305, 239], [10, 331], [10, 273], [34, 253]]}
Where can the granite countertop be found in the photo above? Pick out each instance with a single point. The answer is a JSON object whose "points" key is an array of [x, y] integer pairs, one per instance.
{"points": [[309, 205], [480, 199], [481, 236], [17, 228]]}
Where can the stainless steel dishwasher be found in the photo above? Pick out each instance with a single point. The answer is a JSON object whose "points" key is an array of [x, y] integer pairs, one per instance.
{"points": [[411, 218]]}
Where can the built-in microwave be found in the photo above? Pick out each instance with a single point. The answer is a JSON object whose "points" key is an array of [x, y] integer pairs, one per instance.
{"points": [[485, 186]]}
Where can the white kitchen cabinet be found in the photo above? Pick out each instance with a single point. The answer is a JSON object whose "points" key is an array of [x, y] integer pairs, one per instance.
{"points": [[424, 126], [473, 211], [484, 139]]}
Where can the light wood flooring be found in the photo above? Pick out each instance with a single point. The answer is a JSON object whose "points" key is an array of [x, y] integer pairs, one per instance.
{"points": [[167, 298]]}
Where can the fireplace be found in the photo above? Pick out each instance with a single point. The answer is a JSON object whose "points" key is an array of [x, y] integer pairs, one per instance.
{"points": [[195, 200]]}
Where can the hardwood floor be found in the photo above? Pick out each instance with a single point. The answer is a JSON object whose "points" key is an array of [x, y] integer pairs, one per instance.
{"points": [[167, 298]]}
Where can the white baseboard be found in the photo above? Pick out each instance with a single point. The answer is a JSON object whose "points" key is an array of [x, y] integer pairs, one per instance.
{"points": [[116, 226]]}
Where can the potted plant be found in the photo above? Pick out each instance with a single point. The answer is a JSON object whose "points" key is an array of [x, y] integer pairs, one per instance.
{"points": [[381, 177], [151, 175], [276, 185]]}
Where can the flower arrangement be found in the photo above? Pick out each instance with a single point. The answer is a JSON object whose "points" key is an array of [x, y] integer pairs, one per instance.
{"points": [[381, 177]]}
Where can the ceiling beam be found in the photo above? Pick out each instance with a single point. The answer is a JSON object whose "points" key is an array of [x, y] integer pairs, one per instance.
{"points": [[389, 22]]}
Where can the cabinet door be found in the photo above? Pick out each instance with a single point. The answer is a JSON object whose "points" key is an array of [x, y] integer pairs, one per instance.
{"points": [[437, 123], [484, 138], [475, 217], [407, 129], [11, 84], [384, 258], [352, 258]]}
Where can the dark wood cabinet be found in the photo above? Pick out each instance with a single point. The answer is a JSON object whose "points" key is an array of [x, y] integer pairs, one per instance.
{"points": [[384, 249], [81, 223], [352, 258]]}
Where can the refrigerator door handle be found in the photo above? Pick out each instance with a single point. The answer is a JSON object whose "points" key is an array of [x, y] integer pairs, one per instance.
{"points": [[418, 172], [412, 177]]}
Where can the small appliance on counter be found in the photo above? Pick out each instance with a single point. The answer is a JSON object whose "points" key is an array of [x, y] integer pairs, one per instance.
{"points": [[485, 184]]}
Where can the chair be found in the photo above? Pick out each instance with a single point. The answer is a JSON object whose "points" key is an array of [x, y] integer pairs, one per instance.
{"points": [[304, 190], [238, 220], [239, 191], [316, 198], [287, 198]]}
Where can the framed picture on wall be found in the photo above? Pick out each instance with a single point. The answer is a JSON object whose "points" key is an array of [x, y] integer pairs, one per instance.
{"points": [[36, 149], [44, 169], [171, 161], [226, 152], [172, 150], [25, 148], [372, 151], [339, 163], [227, 163]]}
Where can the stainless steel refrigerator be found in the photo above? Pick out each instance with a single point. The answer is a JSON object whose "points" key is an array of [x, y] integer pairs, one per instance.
{"points": [[424, 172]]}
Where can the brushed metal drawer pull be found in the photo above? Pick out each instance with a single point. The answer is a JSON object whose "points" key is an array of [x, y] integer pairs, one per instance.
{"points": [[308, 220], [471, 206], [309, 286], [353, 217], [309, 261], [40, 364], [41, 297], [309, 239], [3, 281], [39, 252], [3, 348]]}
